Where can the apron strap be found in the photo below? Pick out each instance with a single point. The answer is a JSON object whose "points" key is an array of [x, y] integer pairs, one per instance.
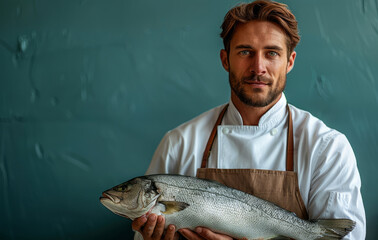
{"points": [[213, 134], [290, 141]]}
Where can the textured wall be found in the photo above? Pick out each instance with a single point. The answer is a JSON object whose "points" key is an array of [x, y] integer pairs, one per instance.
{"points": [[88, 88]]}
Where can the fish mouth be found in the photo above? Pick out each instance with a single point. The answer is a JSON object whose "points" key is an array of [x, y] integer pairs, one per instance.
{"points": [[110, 197]]}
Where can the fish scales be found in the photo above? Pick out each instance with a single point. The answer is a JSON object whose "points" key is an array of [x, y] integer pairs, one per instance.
{"points": [[189, 202], [243, 211]]}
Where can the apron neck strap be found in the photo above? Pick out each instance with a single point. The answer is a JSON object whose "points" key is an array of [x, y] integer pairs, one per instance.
{"points": [[213, 134], [290, 140]]}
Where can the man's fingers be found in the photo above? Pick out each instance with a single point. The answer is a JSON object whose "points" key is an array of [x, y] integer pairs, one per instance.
{"points": [[210, 235], [149, 227], [189, 234], [170, 233], [153, 228], [159, 228], [138, 223]]}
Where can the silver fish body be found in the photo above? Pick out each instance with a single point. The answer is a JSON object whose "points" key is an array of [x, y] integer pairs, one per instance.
{"points": [[188, 202]]}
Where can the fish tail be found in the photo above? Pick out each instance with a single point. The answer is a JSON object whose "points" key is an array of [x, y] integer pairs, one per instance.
{"points": [[336, 228]]}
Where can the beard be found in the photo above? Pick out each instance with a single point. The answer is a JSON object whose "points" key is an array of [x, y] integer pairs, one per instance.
{"points": [[239, 87]]}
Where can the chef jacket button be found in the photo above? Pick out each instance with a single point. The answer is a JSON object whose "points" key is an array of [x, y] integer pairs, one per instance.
{"points": [[273, 131], [226, 130]]}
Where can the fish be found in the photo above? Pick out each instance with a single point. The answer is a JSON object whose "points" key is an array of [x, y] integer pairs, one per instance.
{"points": [[189, 202]]}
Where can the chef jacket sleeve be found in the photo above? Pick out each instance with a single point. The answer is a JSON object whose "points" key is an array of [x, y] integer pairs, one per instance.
{"points": [[335, 185], [165, 158], [138, 236]]}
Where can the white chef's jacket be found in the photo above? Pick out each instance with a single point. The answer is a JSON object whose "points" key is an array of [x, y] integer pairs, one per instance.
{"points": [[328, 177]]}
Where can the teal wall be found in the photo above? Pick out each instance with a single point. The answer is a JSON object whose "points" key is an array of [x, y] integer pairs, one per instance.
{"points": [[89, 87]]}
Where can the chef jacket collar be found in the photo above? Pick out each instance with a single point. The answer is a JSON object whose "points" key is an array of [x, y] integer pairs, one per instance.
{"points": [[270, 118]]}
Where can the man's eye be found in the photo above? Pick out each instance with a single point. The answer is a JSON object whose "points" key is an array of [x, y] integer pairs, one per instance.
{"points": [[244, 52], [272, 54]]}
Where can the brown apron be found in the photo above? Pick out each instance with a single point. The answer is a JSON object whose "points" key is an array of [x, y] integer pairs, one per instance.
{"points": [[279, 187]]}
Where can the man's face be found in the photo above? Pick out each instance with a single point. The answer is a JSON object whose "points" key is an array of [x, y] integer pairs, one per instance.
{"points": [[257, 63]]}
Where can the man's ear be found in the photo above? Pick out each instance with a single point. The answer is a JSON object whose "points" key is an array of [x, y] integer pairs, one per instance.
{"points": [[224, 59], [290, 64]]}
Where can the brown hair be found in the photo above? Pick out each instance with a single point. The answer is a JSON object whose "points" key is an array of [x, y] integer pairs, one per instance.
{"points": [[262, 10]]}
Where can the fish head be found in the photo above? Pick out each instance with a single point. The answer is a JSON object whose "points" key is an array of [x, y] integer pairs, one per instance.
{"points": [[131, 199]]}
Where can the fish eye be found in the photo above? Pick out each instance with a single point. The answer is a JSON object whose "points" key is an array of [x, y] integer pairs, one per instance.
{"points": [[122, 188]]}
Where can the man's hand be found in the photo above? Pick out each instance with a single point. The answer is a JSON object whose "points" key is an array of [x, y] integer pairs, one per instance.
{"points": [[153, 228], [202, 233]]}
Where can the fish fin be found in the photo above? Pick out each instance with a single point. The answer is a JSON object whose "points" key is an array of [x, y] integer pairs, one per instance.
{"points": [[335, 228], [173, 206]]}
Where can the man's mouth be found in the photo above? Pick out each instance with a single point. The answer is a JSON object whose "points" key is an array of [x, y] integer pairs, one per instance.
{"points": [[257, 81], [257, 84]]}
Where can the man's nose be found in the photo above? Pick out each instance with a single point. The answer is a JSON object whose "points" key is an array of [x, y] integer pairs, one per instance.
{"points": [[258, 65]]}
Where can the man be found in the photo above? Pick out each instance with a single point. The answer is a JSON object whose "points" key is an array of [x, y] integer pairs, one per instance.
{"points": [[257, 142]]}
